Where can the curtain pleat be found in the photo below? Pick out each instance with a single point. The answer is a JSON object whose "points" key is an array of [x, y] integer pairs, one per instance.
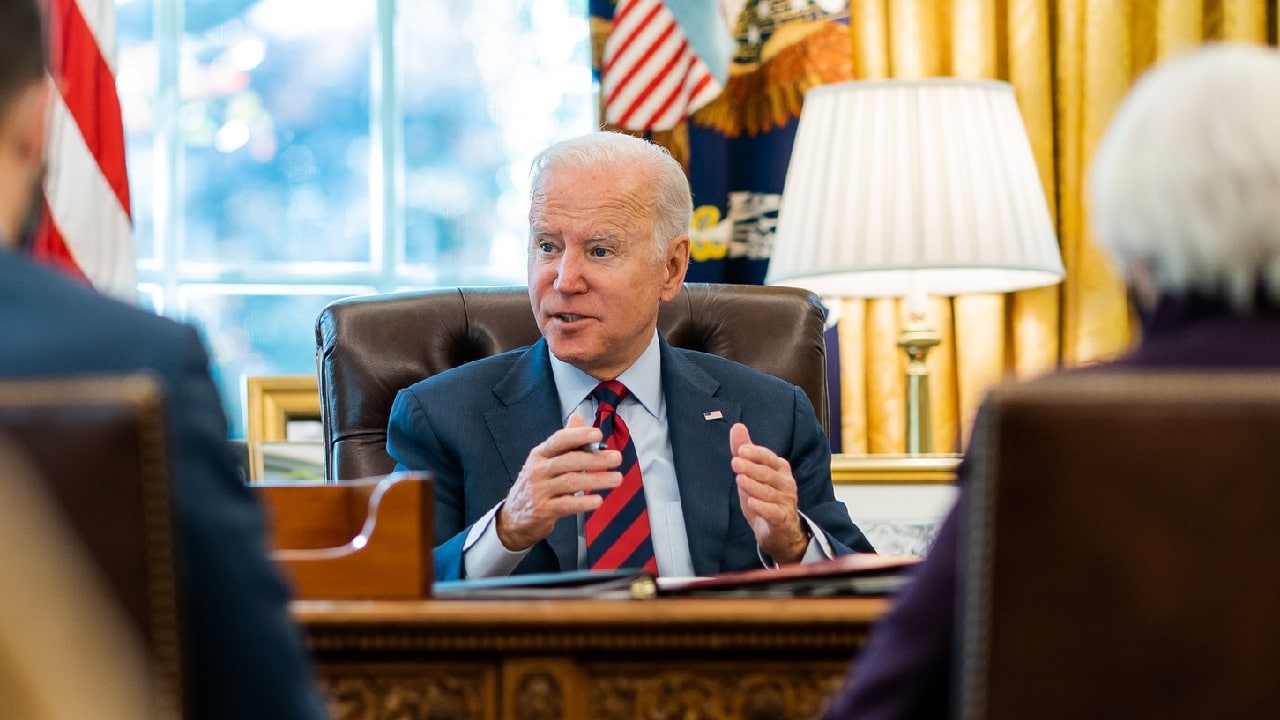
{"points": [[1244, 20], [1033, 318]]}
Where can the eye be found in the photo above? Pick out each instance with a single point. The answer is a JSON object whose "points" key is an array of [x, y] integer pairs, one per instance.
{"points": [[546, 247], [600, 252]]}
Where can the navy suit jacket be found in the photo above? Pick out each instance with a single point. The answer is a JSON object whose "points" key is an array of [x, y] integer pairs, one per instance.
{"points": [[474, 426], [908, 667], [246, 658]]}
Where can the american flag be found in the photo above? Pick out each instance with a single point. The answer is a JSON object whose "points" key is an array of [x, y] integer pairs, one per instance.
{"points": [[87, 229], [662, 61]]}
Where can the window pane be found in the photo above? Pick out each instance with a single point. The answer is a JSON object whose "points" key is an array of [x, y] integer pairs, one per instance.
{"points": [[137, 84], [257, 331], [480, 98], [253, 128], [274, 122]]}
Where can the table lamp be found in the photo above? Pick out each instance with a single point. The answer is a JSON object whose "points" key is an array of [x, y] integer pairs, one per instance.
{"points": [[906, 188]]}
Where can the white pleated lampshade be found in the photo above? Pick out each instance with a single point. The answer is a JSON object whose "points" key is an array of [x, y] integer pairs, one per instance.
{"points": [[932, 178]]}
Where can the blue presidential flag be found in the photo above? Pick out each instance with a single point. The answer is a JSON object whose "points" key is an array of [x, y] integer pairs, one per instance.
{"points": [[740, 143]]}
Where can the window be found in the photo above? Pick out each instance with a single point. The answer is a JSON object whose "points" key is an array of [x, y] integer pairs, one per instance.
{"points": [[286, 153]]}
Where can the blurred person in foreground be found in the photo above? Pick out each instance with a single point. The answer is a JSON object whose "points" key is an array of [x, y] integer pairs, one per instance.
{"points": [[735, 467], [245, 656], [1184, 191]]}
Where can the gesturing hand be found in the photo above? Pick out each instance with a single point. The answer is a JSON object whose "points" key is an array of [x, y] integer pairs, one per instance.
{"points": [[767, 494], [547, 486]]}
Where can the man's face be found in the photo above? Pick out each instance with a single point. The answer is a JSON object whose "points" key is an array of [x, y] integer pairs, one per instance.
{"points": [[594, 280]]}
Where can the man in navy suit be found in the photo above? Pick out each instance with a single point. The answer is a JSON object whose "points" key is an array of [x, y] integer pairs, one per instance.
{"points": [[505, 436], [1184, 192], [246, 658]]}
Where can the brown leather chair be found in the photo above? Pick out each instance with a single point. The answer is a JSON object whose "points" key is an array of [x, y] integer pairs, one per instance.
{"points": [[98, 445], [369, 348], [1120, 553]]}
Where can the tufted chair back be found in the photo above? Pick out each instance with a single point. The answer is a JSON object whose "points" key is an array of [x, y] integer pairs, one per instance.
{"points": [[370, 347]]}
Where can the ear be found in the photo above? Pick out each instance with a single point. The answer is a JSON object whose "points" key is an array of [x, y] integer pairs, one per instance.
{"points": [[31, 123], [675, 266]]}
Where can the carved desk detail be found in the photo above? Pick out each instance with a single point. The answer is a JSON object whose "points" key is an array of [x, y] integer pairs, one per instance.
{"points": [[693, 659]]}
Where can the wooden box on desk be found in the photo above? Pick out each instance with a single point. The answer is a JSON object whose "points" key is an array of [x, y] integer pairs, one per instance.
{"points": [[355, 539]]}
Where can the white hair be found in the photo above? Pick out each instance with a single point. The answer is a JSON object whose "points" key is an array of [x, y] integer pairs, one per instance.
{"points": [[672, 200], [1186, 180]]}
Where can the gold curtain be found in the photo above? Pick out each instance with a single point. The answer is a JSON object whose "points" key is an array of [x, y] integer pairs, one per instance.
{"points": [[1070, 62]]}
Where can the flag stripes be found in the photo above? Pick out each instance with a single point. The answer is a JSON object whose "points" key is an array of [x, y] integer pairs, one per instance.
{"points": [[87, 190], [86, 84], [652, 78]]}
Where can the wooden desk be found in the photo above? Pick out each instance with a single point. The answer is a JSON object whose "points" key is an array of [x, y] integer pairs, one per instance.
{"points": [[599, 659]]}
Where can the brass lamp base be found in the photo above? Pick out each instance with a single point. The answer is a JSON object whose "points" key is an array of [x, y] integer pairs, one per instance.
{"points": [[917, 339]]}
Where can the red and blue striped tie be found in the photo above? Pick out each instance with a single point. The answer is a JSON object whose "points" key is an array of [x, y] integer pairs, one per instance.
{"points": [[618, 531]]}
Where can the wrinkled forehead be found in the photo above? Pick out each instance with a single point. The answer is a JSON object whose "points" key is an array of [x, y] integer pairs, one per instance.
{"points": [[578, 194]]}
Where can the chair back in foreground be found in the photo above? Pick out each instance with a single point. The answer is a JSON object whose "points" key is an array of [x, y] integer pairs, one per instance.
{"points": [[371, 347], [98, 445], [1120, 550], [69, 653]]}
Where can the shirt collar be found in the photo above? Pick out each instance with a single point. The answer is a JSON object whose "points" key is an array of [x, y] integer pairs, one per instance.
{"points": [[643, 379]]}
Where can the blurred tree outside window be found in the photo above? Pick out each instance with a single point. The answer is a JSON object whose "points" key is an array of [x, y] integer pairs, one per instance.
{"points": [[286, 153]]}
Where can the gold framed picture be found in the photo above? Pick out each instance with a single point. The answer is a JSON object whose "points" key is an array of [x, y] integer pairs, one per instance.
{"points": [[279, 409]]}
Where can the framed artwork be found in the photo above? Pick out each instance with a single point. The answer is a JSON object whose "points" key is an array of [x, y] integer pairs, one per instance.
{"points": [[280, 410]]}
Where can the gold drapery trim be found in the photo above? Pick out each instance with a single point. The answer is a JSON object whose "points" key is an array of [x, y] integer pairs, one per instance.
{"points": [[768, 94]]}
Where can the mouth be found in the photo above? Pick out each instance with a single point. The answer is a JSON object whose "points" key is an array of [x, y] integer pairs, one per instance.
{"points": [[568, 318]]}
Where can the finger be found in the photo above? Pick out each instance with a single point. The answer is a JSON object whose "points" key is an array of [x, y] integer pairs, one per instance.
{"points": [[774, 514], [764, 457], [744, 502], [573, 436], [566, 505], [756, 488], [585, 461], [771, 472], [571, 483], [738, 436]]}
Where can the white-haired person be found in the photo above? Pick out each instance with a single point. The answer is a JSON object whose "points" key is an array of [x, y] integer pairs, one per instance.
{"points": [[1184, 195]]}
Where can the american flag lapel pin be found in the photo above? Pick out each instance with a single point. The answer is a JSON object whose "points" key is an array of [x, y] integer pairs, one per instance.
{"points": [[713, 415]]}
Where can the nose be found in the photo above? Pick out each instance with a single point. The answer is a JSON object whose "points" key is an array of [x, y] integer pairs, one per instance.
{"points": [[569, 274]]}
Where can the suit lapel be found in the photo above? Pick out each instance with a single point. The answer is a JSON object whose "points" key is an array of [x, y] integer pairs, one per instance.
{"points": [[529, 413], [700, 451]]}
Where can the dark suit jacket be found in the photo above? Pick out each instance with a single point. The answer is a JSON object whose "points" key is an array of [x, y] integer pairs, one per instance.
{"points": [[246, 656], [475, 425], [906, 670]]}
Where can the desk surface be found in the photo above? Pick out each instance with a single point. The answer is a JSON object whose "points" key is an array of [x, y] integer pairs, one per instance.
{"points": [[587, 625], [580, 612]]}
